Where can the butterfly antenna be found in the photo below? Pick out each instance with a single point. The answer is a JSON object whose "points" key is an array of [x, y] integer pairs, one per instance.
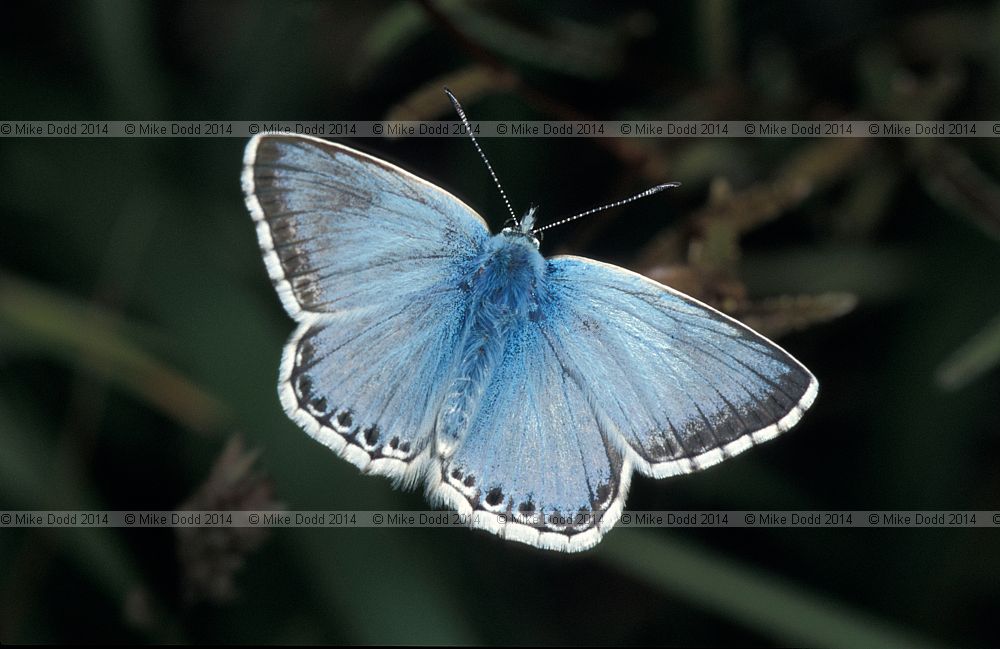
{"points": [[648, 192], [489, 167]]}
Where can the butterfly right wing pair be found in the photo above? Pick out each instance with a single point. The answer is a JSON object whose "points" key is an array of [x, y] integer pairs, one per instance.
{"points": [[620, 372], [368, 259]]}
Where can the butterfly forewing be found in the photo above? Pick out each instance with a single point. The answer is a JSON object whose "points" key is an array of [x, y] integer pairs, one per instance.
{"points": [[681, 385], [338, 227]]}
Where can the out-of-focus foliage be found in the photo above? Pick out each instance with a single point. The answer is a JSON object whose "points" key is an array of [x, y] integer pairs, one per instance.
{"points": [[139, 333]]}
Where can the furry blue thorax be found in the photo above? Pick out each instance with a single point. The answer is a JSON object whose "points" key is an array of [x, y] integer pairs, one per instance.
{"points": [[503, 286]]}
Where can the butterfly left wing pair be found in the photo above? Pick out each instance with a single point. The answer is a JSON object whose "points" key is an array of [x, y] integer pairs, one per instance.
{"points": [[367, 258]]}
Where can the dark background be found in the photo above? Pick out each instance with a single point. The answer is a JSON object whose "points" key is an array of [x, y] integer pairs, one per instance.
{"points": [[140, 337]]}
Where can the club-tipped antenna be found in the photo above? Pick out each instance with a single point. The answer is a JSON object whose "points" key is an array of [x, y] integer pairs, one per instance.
{"points": [[489, 167], [648, 192]]}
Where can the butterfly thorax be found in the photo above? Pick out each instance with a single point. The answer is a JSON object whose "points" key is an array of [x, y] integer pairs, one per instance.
{"points": [[503, 285]]}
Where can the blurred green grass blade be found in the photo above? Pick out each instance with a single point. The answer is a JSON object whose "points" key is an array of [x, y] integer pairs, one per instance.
{"points": [[371, 586], [977, 356], [22, 459], [86, 337], [768, 604], [394, 596], [716, 24], [394, 30], [123, 53], [560, 44], [29, 483], [563, 45]]}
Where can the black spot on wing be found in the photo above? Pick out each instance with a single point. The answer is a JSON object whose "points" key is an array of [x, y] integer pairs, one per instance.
{"points": [[494, 496]]}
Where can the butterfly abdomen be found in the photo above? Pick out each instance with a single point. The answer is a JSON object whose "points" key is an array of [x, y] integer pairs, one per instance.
{"points": [[502, 286]]}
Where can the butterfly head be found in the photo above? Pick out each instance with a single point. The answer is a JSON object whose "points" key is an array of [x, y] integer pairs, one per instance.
{"points": [[522, 229]]}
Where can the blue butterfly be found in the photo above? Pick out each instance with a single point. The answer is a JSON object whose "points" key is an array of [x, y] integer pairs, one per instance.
{"points": [[522, 391]]}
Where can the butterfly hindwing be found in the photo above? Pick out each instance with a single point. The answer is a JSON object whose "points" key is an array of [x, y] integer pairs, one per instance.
{"points": [[681, 385], [368, 258], [365, 382], [535, 449]]}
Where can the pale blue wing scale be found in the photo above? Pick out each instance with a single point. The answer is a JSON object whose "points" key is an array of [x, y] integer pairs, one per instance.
{"points": [[678, 384], [535, 448], [368, 259], [340, 229]]}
